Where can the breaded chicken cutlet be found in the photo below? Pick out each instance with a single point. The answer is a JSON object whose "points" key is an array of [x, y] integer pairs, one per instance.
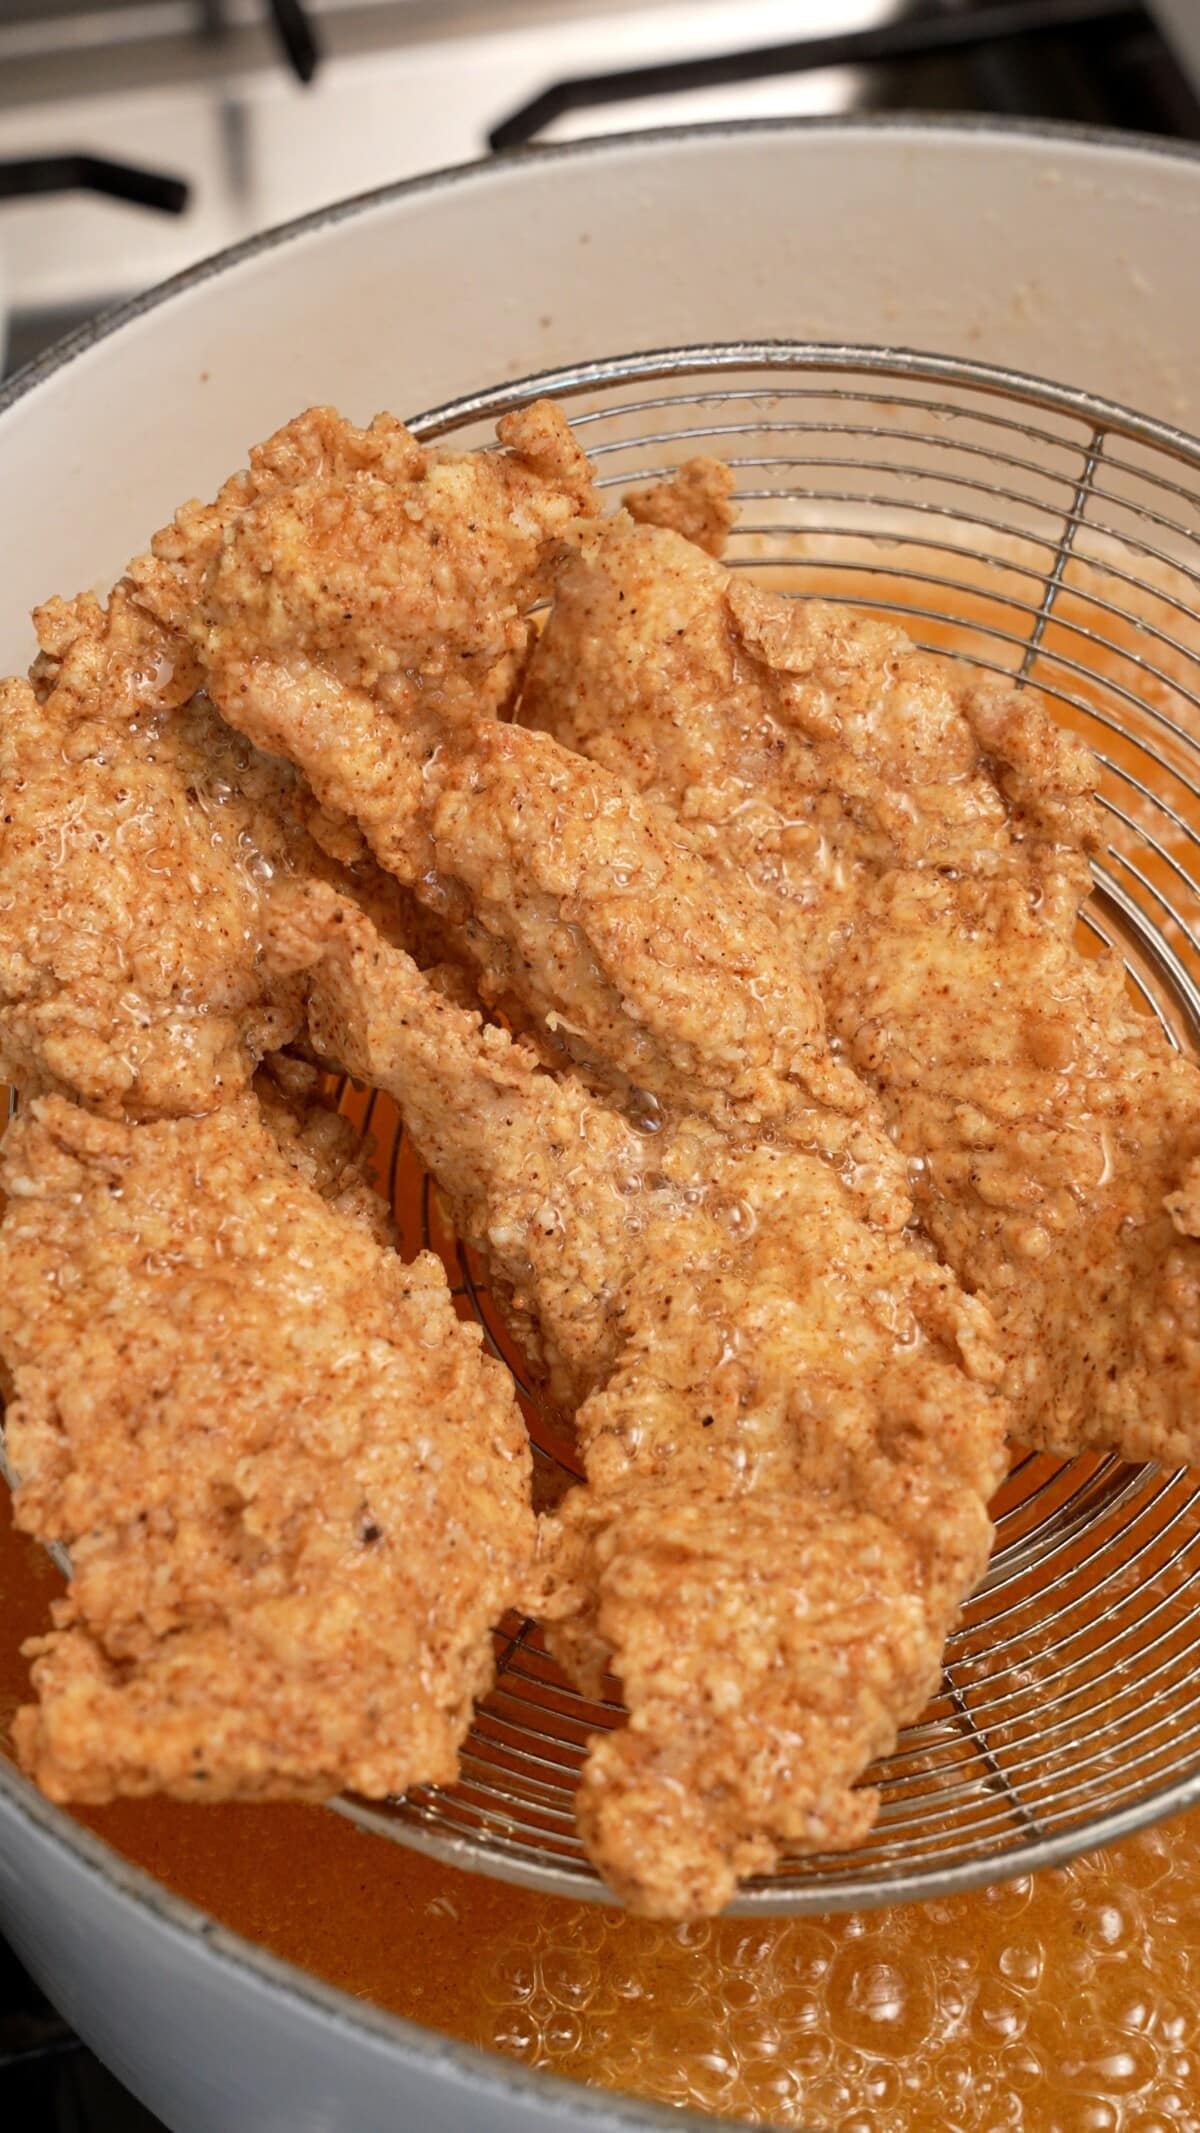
{"points": [[783, 1412], [204, 1333], [294, 1490], [140, 830], [922, 833], [587, 907]]}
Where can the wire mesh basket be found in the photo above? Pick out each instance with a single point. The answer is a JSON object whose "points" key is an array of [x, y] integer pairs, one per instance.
{"points": [[1039, 534]]}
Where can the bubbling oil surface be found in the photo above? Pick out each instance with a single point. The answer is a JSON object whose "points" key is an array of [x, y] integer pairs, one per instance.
{"points": [[1061, 2004]]}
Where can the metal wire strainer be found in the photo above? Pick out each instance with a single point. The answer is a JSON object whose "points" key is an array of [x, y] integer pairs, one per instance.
{"points": [[1043, 534]]}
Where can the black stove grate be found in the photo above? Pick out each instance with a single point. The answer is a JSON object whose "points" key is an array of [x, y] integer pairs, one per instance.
{"points": [[1066, 59]]}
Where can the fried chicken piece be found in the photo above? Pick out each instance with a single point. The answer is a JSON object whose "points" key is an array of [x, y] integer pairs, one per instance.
{"points": [[295, 1493], [812, 746], [696, 502], [140, 832], [139, 829], [575, 899], [595, 911], [386, 563], [137, 832], [409, 568], [352, 604], [512, 1147], [786, 1421], [584, 905], [923, 834]]}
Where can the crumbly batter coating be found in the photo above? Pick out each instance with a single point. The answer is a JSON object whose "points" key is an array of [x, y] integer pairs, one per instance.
{"points": [[782, 914], [386, 563], [294, 1491], [138, 833], [785, 1416], [923, 835], [697, 502], [295, 1495], [583, 903]]}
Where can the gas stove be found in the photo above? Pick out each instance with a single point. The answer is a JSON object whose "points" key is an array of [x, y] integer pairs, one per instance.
{"points": [[142, 134], [138, 135]]}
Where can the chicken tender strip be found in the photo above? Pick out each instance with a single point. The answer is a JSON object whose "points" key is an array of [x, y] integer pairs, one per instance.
{"points": [[382, 561], [137, 829], [294, 1491], [923, 834], [511, 1146], [786, 1421], [352, 602], [584, 904], [140, 830], [348, 562], [139, 833]]}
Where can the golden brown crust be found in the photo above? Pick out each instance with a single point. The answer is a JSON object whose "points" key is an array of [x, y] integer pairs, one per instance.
{"points": [[766, 1215], [590, 908], [139, 832], [786, 1424], [923, 833], [696, 501], [295, 1493], [511, 1146], [363, 553]]}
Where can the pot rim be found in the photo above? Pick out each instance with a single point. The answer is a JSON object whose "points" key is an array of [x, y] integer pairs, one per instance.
{"points": [[485, 169]]}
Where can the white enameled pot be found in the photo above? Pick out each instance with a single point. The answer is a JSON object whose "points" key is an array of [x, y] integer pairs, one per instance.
{"points": [[1071, 255]]}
